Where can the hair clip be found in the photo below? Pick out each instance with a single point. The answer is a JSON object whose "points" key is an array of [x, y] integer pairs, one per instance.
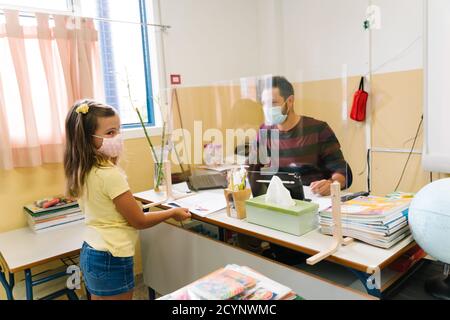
{"points": [[82, 108]]}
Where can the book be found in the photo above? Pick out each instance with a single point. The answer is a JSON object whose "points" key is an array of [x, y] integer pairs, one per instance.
{"points": [[59, 226], [383, 230], [373, 206], [379, 221], [410, 257], [54, 213], [36, 211], [222, 284], [236, 283], [264, 289], [58, 221], [382, 242]]}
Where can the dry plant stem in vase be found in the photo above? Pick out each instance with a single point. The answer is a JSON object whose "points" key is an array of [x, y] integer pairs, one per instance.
{"points": [[159, 161]]}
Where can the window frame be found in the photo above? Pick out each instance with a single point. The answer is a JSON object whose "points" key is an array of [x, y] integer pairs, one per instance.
{"points": [[147, 70]]}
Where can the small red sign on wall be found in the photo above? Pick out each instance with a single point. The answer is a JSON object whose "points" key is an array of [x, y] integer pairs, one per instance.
{"points": [[175, 79]]}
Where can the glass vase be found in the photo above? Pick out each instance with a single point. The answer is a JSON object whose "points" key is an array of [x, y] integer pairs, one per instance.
{"points": [[159, 181]]}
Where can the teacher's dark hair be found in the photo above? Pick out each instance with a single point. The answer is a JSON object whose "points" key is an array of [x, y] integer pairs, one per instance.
{"points": [[285, 87]]}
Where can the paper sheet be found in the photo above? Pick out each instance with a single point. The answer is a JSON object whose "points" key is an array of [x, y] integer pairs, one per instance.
{"points": [[202, 204], [323, 202]]}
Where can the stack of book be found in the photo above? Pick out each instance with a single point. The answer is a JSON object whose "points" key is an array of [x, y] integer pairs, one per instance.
{"points": [[52, 213], [379, 221], [233, 283]]}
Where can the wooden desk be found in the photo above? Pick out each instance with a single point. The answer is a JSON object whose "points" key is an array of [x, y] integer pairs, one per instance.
{"points": [[358, 256], [22, 249]]}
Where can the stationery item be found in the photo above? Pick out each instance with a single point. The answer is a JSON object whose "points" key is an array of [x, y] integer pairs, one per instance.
{"points": [[379, 221], [264, 289], [236, 283], [222, 285], [400, 195], [236, 202], [202, 204], [50, 204], [383, 242], [372, 208], [351, 196], [57, 223], [403, 263], [324, 202], [237, 179], [50, 213]]}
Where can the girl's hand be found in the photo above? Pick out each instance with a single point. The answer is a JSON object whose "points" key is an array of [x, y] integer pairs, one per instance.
{"points": [[180, 214]]}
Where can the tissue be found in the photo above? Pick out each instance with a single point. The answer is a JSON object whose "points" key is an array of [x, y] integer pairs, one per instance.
{"points": [[278, 194]]}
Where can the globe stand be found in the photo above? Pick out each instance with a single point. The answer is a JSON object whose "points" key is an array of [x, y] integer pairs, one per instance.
{"points": [[440, 287]]}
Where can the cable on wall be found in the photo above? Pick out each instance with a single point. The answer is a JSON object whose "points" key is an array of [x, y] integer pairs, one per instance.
{"points": [[410, 153]]}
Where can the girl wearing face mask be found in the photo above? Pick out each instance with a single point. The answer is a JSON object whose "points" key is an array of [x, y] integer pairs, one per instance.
{"points": [[93, 146]]}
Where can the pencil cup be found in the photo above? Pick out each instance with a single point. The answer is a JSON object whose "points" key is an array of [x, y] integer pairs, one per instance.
{"points": [[236, 202]]}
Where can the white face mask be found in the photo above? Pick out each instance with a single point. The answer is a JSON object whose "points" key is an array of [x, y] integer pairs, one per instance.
{"points": [[111, 147], [274, 114]]}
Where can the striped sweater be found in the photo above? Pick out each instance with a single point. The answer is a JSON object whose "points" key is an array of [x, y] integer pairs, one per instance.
{"points": [[311, 145]]}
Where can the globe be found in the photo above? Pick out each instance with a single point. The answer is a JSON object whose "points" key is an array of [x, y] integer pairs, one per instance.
{"points": [[429, 219]]}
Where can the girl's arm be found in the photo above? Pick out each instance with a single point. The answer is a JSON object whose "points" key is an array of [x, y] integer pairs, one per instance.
{"points": [[130, 210]]}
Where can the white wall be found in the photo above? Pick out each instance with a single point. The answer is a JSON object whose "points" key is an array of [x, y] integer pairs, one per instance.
{"points": [[222, 40], [437, 131], [271, 44], [398, 45], [323, 35], [210, 40], [302, 39]]}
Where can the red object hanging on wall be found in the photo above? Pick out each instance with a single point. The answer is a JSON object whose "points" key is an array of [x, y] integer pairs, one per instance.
{"points": [[358, 112]]}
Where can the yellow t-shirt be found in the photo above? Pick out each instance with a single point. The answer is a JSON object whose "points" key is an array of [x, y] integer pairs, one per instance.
{"points": [[107, 229]]}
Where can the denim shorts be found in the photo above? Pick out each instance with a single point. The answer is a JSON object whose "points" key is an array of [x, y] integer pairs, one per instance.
{"points": [[104, 274]]}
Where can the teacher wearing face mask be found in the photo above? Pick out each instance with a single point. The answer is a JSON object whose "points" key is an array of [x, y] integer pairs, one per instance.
{"points": [[303, 142]]}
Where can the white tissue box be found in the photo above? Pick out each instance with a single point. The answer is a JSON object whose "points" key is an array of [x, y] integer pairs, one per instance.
{"points": [[298, 219]]}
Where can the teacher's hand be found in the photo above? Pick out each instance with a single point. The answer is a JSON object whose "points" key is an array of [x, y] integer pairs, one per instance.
{"points": [[321, 187]]}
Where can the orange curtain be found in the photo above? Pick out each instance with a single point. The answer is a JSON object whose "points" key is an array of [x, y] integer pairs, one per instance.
{"points": [[44, 69]]}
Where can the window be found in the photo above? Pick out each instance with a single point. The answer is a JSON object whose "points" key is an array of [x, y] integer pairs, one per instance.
{"points": [[125, 56], [124, 45]]}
